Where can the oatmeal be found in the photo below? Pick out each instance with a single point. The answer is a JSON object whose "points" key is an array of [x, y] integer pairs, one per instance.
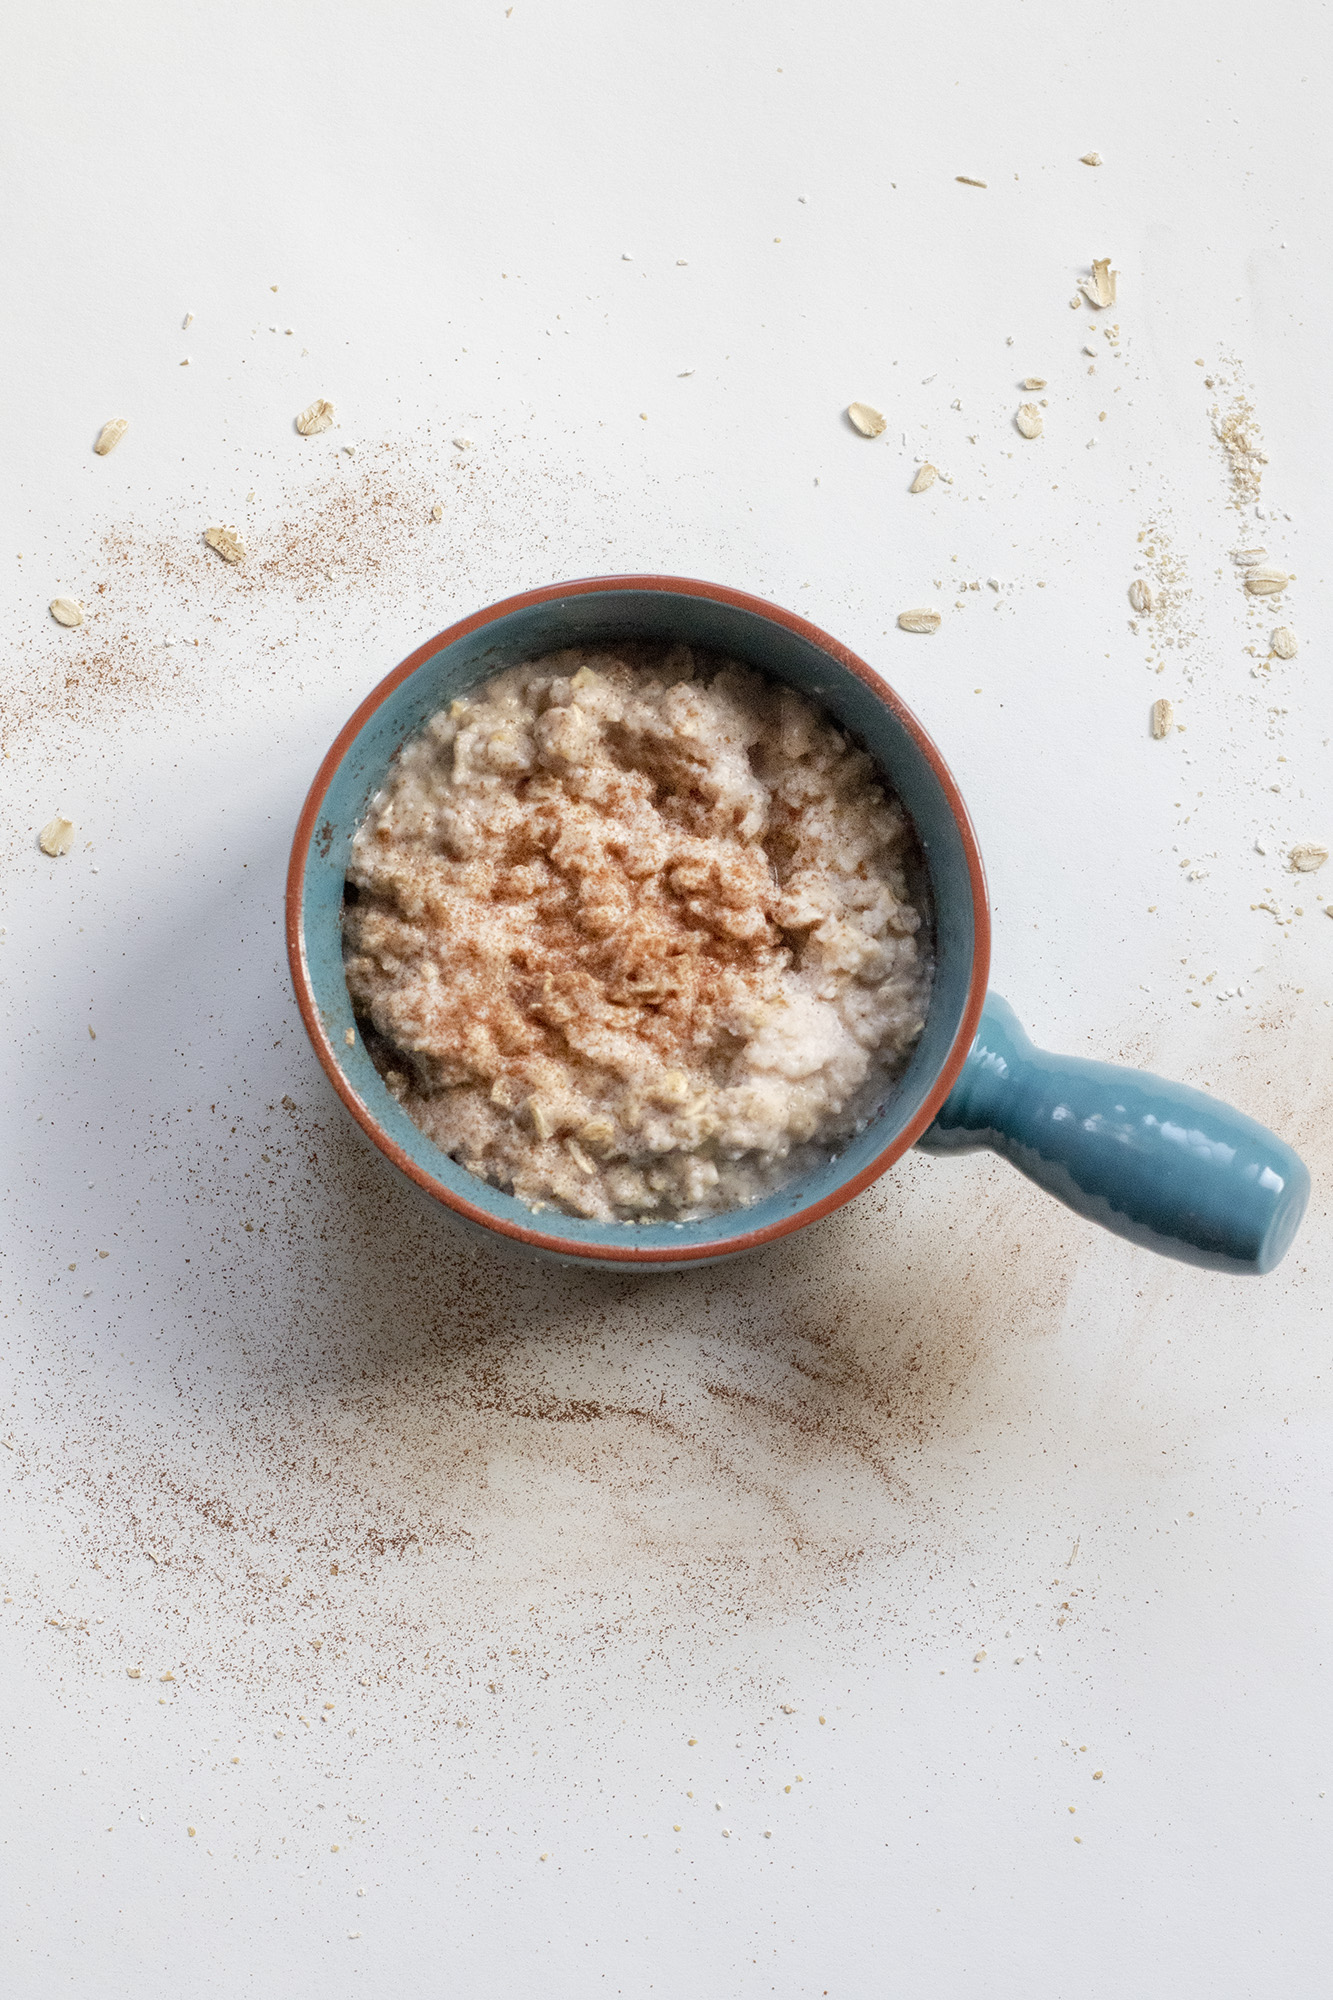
{"points": [[633, 934]]}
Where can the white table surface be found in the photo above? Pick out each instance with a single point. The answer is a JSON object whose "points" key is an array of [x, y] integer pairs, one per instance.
{"points": [[617, 1560]]}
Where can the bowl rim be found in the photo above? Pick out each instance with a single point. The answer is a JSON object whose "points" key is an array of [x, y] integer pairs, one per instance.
{"points": [[545, 1239]]}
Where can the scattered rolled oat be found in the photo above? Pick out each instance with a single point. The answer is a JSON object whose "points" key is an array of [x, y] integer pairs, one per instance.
{"points": [[866, 419], [926, 476], [919, 621], [968, 181], [316, 418], [1034, 382], [227, 542], [981, 1655], [1141, 594], [1266, 580], [1284, 642], [437, 512], [1247, 558], [1163, 718], [57, 836], [110, 435], [65, 611], [1307, 856], [462, 444], [132, 1673], [1028, 420], [1090, 159], [1099, 289], [350, 1038]]}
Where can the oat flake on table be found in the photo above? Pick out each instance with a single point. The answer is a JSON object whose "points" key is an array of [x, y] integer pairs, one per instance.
{"points": [[1163, 718], [919, 621], [1099, 289], [110, 435], [56, 836], [1266, 580], [1308, 855], [1090, 159], [1140, 594], [1028, 420], [1034, 382], [227, 542], [317, 417], [66, 611], [926, 476], [866, 418], [1284, 642]]}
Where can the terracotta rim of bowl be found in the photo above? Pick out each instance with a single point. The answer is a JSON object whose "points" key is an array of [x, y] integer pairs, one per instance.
{"points": [[545, 1239]]}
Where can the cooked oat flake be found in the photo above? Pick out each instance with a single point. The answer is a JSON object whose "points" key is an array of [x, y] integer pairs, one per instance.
{"points": [[866, 419], [318, 417], [227, 542], [919, 621], [66, 611]]}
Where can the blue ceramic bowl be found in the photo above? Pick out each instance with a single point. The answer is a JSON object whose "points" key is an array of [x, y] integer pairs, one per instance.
{"points": [[1154, 1161]]}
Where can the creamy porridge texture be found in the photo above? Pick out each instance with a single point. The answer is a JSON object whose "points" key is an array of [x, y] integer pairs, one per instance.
{"points": [[632, 933]]}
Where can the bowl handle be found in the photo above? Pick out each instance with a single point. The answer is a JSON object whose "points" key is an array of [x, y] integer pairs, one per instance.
{"points": [[1164, 1165]]}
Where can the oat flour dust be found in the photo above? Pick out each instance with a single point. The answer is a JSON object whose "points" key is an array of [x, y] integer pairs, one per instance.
{"points": [[309, 1429], [396, 1455]]}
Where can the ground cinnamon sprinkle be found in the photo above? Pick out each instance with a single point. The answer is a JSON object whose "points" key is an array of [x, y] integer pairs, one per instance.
{"points": [[168, 625], [571, 1474]]}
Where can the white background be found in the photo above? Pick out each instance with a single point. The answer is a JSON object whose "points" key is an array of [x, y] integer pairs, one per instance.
{"points": [[602, 1544]]}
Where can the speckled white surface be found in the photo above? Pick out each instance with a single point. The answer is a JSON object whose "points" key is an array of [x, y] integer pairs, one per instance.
{"points": [[606, 1552]]}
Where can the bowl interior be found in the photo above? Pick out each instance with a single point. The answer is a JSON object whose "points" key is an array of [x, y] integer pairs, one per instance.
{"points": [[593, 616]]}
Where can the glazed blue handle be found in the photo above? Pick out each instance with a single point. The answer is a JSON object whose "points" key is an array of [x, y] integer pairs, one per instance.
{"points": [[1162, 1164]]}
